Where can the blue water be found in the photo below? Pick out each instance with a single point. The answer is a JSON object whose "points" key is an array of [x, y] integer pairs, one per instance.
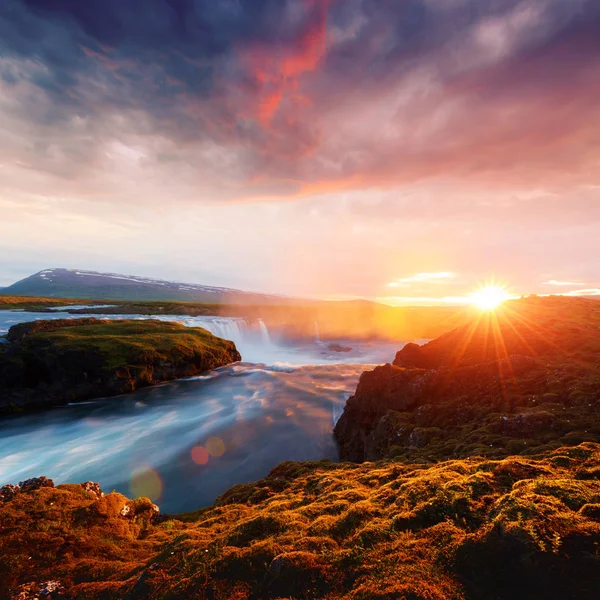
{"points": [[184, 442]]}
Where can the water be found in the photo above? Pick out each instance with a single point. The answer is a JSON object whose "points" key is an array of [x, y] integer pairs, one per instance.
{"points": [[184, 442]]}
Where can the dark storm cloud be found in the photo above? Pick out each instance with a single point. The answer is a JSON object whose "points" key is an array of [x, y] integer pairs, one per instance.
{"points": [[297, 96]]}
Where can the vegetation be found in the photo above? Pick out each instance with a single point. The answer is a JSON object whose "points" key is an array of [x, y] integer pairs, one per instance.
{"points": [[489, 487], [336, 320], [519, 381], [52, 362], [33, 304], [519, 528]]}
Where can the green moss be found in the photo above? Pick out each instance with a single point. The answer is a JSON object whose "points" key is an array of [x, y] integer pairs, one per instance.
{"points": [[90, 358]]}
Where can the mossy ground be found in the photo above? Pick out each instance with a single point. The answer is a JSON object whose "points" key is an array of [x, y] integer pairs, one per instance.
{"points": [[519, 528], [57, 361], [129, 342]]}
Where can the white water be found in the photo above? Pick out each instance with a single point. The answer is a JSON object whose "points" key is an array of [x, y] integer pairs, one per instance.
{"points": [[279, 404]]}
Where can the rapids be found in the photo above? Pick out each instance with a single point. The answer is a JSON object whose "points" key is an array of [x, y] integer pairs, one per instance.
{"points": [[184, 442]]}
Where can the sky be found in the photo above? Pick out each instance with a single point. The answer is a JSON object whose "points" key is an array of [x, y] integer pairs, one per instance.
{"points": [[404, 150]]}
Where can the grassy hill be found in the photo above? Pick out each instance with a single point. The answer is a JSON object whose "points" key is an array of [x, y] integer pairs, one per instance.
{"points": [[517, 381], [59, 361]]}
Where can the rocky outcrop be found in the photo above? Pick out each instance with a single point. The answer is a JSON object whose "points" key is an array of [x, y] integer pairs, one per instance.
{"points": [[510, 382], [10, 491], [49, 363]]}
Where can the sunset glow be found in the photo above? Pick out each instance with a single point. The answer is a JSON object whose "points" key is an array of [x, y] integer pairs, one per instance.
{"points": [[489, 297], [391, 150]]}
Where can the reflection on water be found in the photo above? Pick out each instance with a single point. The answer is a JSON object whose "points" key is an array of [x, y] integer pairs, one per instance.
{"points": [[185, 442]]}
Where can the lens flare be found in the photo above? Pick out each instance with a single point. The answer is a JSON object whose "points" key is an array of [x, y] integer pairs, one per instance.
{"points": [[146, 482], [489, 297], [215, 446], [200, 455]]}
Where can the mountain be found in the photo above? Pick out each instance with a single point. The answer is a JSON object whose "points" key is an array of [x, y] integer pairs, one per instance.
{"points": [[71, 283]]}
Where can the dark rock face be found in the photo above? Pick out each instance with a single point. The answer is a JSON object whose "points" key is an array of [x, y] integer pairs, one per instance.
{"points": [[368, 419], [508, 383], [48, 363]]}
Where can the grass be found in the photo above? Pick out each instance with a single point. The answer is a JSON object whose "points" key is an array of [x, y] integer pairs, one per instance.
{"points": [[129, 343], [49, 362], [33, 303], [518, 528]]}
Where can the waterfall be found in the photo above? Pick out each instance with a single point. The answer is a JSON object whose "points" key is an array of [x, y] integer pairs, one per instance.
{"points": [[235, 330], [251, 338], [317, 335], [264, 333]]}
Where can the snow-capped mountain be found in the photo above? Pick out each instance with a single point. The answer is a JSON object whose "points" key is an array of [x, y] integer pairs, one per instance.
{"points": [[71, 283]]}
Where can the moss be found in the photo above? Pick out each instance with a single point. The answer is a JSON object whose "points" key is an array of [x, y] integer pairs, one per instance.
{"points": [[461, 529], [51, 362], [255, 529]]}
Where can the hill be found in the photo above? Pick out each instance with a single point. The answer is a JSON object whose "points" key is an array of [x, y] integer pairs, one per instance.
{"points": [[522, 379], [69, 283], [47, 363]]}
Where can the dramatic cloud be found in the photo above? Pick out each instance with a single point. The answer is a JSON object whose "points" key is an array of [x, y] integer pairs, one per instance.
{"points": [[469, 129]]}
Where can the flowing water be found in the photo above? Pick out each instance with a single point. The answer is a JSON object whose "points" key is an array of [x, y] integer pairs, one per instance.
{"points": [[184, 442]]}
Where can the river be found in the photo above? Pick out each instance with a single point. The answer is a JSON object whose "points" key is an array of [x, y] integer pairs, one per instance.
{"points": [[184, 442]]}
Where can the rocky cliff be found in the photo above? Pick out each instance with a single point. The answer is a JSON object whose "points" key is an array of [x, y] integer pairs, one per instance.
{"points": [[519, 380]]}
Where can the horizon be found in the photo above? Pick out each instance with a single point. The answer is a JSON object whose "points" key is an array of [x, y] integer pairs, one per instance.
{"points": [[311, 148], [478, 297]]}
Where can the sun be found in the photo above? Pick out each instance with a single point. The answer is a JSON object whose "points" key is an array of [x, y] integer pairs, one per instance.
{"points": [[489, 297]]}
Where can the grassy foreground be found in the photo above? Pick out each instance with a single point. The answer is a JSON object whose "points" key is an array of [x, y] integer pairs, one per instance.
{"points": [[475, 529], [52, 362]]}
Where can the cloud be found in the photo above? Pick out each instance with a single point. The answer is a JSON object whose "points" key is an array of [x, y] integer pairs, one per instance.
{"points": [[423, 278], [360, 139], [561, 283], [296, 97], [588, 292]]}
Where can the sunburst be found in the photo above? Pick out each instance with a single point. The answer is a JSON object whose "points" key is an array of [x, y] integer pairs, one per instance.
{"points": [[489, 297]]}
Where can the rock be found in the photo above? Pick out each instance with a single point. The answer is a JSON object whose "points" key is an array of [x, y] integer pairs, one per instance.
{"points": [[410, 356], [35, 483], [339, 348], [93, 488], [387, 388], [141, 508], [37, 591], [8, 492]]}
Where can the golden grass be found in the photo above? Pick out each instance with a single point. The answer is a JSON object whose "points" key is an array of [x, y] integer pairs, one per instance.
{"points": [[465, 529]]}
